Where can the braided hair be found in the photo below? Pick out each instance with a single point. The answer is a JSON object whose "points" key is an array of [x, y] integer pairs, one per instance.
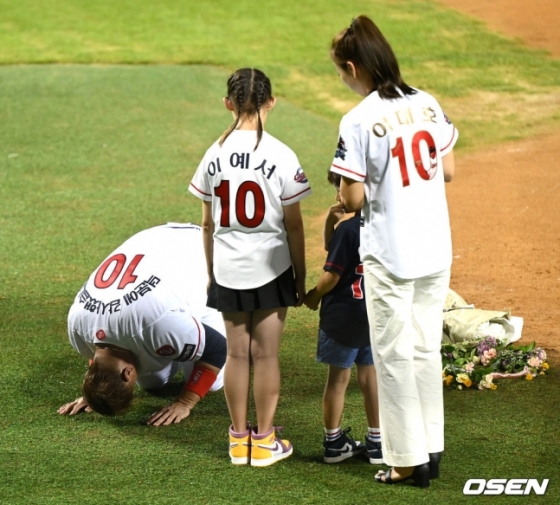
{"points": [[248, 89]]}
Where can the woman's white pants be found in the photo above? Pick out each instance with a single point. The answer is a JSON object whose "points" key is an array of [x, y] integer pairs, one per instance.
{"points": [[406, 320]]}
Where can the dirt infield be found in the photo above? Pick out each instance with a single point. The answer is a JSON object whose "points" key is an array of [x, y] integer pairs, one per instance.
{"points": [[504, 202], [534, 22]]}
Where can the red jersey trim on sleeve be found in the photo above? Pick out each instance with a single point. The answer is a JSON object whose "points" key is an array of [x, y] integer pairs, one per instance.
{"points": [[333, 266], [297, 194], [348, 170], [451, 141], [200, 191]]}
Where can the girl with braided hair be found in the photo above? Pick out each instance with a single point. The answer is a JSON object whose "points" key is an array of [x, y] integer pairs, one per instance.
{"points": [[251, 185]]}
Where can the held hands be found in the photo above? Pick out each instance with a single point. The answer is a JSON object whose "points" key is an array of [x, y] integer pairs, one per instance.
{"points": [[300, 290], [75, 407], [170, 414]]}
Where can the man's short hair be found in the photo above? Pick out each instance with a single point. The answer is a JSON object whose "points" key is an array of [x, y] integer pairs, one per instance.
{"points": [[105, 391]]}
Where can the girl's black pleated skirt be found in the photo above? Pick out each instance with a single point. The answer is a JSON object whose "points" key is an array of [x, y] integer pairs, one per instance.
{"points": [[280, 292]]}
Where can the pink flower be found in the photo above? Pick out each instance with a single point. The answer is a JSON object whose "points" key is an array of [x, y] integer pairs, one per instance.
{"points": [[488, 356], [469, 367], [534, 361]]}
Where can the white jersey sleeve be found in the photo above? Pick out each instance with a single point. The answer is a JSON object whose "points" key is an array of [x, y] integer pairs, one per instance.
{"points": [[448, 133], [350, 160], [178, 336], [201, 184], [295, 184]]}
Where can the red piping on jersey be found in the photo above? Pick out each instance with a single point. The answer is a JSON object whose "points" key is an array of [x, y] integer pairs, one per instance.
{"points": [[199, 336], [451, 141], [201, 192], [293, 196], [335, 266], [347, 170]]}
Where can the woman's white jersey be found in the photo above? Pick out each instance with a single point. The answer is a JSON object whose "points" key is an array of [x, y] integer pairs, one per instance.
{"points": [[248, 189], [395, 148]]}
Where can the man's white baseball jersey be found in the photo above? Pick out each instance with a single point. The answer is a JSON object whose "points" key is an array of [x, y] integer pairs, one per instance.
{"points": [[148, 296], [248, 189], [395, 147]]}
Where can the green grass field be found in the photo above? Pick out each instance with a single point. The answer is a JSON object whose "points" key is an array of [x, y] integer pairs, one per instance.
{"points": [[105, 112]]}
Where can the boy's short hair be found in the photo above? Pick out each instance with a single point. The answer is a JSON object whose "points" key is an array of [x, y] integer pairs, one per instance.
{"points": [[334, 179]]}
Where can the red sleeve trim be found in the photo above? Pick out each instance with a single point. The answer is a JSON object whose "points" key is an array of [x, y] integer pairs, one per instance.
{"points": [[451, 141], [200, 191], [348, 170], [333, 265], [297, 194]]}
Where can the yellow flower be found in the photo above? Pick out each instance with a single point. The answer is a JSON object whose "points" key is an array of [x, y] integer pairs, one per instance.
{"points": [[463, 378], [493, 386], [545, 366], [529, 377], [448, 379]]}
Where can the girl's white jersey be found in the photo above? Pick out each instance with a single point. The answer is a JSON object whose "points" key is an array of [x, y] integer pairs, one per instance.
{"points": [[248, 189], [156, 272], [395, 148]]}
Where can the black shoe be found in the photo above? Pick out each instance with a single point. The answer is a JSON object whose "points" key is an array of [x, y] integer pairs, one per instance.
{"points": [[420, 476], [342, 448], [374, 452], [435, 458]]}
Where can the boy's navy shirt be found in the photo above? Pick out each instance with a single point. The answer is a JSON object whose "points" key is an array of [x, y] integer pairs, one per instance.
{"points": [[343, 310]]}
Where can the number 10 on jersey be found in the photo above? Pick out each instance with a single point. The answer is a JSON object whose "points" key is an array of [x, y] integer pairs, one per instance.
{"points": [[240, 203], [424, 172]]}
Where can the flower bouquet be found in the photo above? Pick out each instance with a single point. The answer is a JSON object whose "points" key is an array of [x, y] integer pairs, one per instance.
{"points": [[476, 363]]}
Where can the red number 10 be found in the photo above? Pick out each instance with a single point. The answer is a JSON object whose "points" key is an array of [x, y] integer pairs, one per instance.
{"points": [[398, 152], [222, 192], [119, 261]]}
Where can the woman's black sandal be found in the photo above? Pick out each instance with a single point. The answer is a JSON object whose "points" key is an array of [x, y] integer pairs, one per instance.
{"points": [[420, 476]]}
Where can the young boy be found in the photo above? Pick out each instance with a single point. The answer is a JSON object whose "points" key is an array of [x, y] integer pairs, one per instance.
{"points": [[344, 334]]}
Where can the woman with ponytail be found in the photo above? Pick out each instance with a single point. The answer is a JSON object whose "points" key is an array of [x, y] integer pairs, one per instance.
{"points": [[395, 153]]}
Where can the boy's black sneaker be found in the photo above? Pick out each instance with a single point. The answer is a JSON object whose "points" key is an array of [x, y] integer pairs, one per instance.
{"points": [[342, 448], [374, 452]]}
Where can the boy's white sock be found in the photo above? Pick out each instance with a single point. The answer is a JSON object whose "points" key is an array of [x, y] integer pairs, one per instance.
{"points": [[374, 435], [331, 435]]}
